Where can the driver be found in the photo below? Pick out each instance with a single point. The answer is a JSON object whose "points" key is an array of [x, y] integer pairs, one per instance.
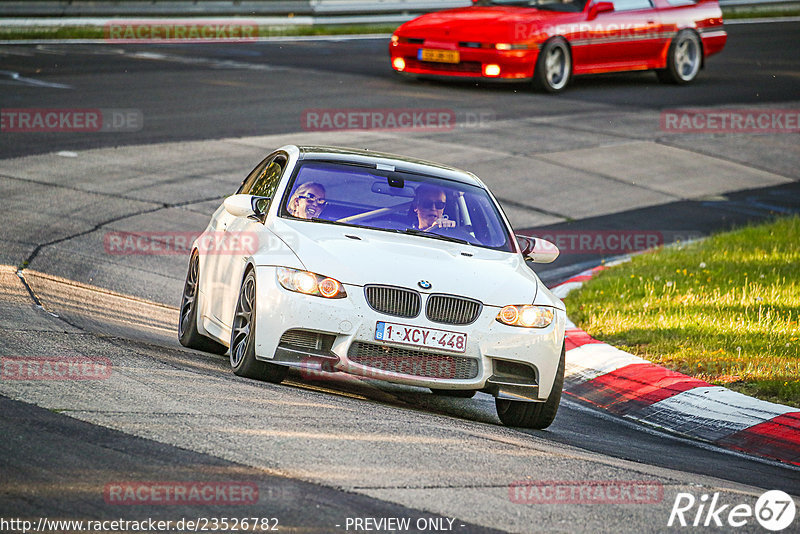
{"points": [[307, 201], [428, 206]]}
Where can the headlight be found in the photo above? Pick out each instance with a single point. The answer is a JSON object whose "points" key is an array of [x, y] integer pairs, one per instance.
{"points": [[526, 316], [311, 283]]}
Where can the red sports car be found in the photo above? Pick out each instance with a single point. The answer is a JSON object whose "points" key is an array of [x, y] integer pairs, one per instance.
{"points": [[549, 41]]}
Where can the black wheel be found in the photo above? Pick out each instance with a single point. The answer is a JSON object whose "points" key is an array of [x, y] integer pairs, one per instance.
{"points": [[534, 414], [187, 323], [243, 342], [553, 66], [684, 59], [457, 393]]}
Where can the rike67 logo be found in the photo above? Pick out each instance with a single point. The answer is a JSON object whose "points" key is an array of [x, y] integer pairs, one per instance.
{"points": [[774, 510]]}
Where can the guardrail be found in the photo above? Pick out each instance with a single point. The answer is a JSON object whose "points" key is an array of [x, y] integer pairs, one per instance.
{"points": [[110, 8], [260, 8]]}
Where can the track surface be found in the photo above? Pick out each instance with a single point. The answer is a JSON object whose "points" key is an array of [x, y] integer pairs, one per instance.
{"points": [[407, 448], [212, 91]]}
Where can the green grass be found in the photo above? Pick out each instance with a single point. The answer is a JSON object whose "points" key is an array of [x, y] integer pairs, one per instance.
{"points": [[725, 309], [97, 32], [756, 13]]}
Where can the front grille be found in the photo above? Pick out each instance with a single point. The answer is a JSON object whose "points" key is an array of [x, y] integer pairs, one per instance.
{"points": [[393, 300], [471, 67], [305, 339], [452, 310], [412, 362]]}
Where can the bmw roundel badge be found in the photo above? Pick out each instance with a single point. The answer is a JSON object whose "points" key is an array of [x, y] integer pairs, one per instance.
{"points": [[424, 284]]}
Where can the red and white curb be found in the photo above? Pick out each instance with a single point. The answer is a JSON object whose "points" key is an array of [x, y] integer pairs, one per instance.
{"points": [[637, 389]]}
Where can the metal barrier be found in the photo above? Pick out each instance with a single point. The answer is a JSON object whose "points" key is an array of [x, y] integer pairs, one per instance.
{"points": [[260, 8], [110, 8]]}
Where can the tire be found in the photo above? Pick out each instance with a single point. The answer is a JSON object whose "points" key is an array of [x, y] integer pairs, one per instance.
{"points": [[684, 59], [537, 415], [457, 393], [187, 322], [243, 342], [553, 66]]}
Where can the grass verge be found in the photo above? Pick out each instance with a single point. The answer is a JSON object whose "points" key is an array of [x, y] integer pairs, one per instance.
{"points": [[10, 33], [725, 309], [752, 13]]}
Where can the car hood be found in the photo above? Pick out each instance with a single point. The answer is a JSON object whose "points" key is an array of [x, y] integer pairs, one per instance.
{"points": [[478, 24], [376, 257]]}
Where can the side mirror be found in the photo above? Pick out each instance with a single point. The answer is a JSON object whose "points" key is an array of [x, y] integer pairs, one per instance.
{"points": [[246, 206], [537, 250], [600, 7]]}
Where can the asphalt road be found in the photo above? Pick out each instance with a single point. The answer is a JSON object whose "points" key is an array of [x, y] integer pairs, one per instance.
{"points": [[214, 91], [399, 450]]}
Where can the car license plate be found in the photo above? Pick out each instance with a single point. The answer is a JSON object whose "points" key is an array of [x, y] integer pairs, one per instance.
{"points": [[421, 337], [439, 56]]}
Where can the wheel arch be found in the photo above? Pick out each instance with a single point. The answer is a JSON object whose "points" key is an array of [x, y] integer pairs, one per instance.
{"points": [[569, 46]]}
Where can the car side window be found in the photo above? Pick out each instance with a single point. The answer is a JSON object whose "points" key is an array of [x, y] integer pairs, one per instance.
{"points": [[264, 179], [629, 5], [247, 183]]}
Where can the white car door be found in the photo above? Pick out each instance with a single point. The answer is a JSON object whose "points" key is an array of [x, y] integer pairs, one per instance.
{"points": [[242, 238]]}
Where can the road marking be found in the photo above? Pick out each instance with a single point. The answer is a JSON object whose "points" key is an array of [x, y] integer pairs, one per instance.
{"points": [[15, 77]]}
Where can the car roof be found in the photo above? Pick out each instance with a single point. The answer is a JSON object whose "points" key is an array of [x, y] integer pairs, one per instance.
{"points": [[401, 163]]}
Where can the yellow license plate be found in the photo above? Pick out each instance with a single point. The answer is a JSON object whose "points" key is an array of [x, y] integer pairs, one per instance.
{"points": [[439, 56]]}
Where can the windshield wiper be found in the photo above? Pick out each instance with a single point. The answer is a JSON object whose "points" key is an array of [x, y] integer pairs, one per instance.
{"points": [[414, 231]]}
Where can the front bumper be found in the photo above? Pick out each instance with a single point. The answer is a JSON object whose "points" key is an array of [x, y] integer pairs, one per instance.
{"points": [[506, 361], [514, 64]]}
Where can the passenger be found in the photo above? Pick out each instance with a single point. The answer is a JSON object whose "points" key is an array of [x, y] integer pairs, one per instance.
{"points": [[308, 201], [428, 206]]}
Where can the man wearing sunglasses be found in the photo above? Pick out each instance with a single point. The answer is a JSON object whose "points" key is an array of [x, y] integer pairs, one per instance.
{"points": [[428, 206]]}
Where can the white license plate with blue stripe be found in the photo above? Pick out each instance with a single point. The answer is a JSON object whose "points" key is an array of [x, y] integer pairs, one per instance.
{"points": [[421, 337]]}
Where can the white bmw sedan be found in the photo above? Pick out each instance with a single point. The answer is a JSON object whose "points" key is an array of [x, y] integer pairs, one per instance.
{"points": [[339, 260]]}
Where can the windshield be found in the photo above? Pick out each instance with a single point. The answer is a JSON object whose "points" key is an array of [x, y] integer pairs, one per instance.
{"points": [[422, 206], [552, 5]]}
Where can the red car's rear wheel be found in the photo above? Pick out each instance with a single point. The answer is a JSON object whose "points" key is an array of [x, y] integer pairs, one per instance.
{"points": [[684, 59]]}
